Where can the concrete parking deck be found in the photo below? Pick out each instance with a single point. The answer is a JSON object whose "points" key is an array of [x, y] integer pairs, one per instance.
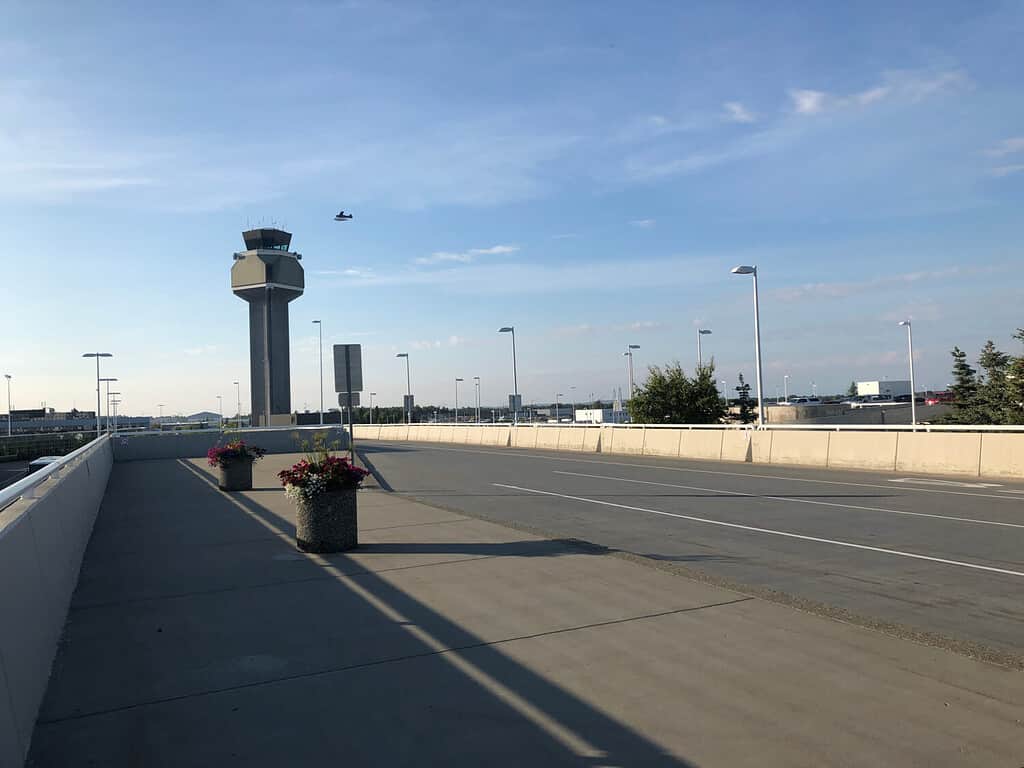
{"points": [[198, 636]]}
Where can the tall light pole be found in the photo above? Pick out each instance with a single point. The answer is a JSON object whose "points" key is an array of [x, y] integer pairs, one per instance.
{"points": [[110, 404], [408, 387], [238, 404], [115, 402], [629, 365], [515, 382], [752, 270], [557, 404], [700, 332], [9, 417], [785, 386], [98, 355], [107, 399], [457, 380], [220, 410], [913, 390], [372, 394], [160, 421], [572, 391], [476, 383], [320, 328], [725, 391]]}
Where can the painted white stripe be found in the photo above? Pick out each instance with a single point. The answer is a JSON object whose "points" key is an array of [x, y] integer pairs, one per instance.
{"points": [[551, 456], [797, 501], [787, 534], [954, 483]]}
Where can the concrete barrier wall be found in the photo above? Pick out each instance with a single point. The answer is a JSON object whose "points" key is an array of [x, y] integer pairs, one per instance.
{"points": [[627, 442], [808, 449], [524, 437], [41, 548], [736, 444], [964, 453], [571, 439], [190, 445], [661, 442], [1002, 455], [547, 438], [862, 450], [953, 453], [701, 444]]}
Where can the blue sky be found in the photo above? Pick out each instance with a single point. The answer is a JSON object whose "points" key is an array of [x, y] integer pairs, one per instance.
{"points": [[588, 172]]}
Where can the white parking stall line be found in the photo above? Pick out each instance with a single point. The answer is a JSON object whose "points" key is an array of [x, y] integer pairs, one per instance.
{"points": [[770, 497], [769, 531]]}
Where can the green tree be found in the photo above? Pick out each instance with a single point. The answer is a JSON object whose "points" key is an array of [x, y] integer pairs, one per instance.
{"points": [[745, 402], [669, 396], [992, 399], [964, 389], [851, 391]]}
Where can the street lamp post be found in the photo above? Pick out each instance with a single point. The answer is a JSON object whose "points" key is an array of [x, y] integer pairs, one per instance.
{"points": [[320, 328], [408, 387], [476, 383], [9, 417], [220, 410], [752, 270], [457, 380], [572, 391], [785, 386], [107, 399], [110, 405], [725, 391], [629, 365], [98, 355], [913, 390], [372, 395], [515, 381], [701, 332], [238, 405], [557, 404]]}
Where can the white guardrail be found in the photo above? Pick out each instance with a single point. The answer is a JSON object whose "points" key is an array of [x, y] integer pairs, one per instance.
{"points": [[766, 427], [28, 487]]}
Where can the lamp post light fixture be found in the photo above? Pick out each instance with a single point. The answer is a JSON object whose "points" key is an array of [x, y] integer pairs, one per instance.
{"points": [[110, 405], [515, 381], [557, 404], [238, 403], [220, 410], [107, 399], [701, 332], [320, 328], [457, 380], [752, 270], [115, 402], [408, 387], [629, 365], [160, 420], [476, 383], [572, 391], [372, 395], [913, 390], [725, 391], [9, 417], [785, 386], [98, 355]]}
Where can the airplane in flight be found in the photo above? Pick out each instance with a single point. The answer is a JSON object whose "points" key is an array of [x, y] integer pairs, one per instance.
{"points": [[342, 216]]}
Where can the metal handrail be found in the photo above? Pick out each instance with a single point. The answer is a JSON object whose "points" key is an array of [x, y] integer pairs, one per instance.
{"points": [[766, 427], [26, 485]]}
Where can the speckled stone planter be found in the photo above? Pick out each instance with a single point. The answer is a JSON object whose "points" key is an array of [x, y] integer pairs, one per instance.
{"points": [[327, 523], [236, 476]]}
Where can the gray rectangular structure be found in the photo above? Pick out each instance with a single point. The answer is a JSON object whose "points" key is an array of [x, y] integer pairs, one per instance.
{"points": [[348, 368], [268, 276]]}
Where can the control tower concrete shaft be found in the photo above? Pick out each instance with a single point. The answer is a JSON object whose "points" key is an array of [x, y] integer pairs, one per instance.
{"points": [[268, 276]]}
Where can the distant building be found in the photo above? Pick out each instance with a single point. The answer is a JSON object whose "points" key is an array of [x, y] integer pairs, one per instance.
{"points": [[600, 416], [883, 388]]}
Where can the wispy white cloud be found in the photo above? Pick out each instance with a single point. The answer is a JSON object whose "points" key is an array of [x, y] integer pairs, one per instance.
{"points": [[807, 102], [572, 331], [643, 223], [735, 112], [1006, 147], [813, 291], [465, 257], [421, 345], [365, 273], [457, 341], [1006, 170], [208, 349]]}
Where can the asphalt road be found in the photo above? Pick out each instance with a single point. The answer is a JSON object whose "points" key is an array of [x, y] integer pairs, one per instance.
{"points": [[943, 557]]}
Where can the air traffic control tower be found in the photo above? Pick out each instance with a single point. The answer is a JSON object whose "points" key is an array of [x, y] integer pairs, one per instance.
{"points": [[268, 276]]}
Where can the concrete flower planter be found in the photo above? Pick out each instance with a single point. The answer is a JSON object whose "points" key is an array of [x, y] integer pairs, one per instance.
{"points": [[236, 475], [327, 522]]}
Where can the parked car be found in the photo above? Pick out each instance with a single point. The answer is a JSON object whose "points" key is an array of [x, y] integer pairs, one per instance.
{"points": [[937, 398]]}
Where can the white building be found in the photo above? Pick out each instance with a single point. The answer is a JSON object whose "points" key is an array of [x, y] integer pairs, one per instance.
{"points": [[884, 388], [600, 416]]}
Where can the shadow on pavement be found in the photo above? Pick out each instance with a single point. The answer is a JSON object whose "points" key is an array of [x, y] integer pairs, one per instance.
{"points": [[368, 674]]}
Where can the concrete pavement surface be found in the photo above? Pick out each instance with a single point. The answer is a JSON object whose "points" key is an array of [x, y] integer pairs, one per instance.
{"points": [[199, 636], [940, 559]]}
